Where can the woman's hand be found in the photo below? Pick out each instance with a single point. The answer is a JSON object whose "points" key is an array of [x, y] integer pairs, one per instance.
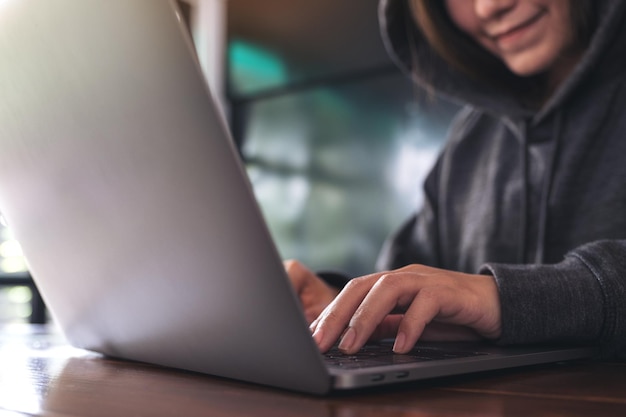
{"points": [[314, 293], [411, 303]]}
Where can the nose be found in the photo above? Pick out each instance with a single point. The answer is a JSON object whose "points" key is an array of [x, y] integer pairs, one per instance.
{"points": [[488, 9]]}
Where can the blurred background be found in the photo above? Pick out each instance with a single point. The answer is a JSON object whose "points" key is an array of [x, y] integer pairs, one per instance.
{"points": [[336, 140]]}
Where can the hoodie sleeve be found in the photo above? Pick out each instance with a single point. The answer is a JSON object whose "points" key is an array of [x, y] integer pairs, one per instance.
{"points": [[579, 300]]}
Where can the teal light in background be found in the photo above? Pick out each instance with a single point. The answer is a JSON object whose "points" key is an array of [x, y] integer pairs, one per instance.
{"points": [[254, 68]]}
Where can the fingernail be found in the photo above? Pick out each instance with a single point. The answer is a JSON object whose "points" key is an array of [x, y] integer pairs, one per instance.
{"points": [[313, 325], [317, 336], [347, 340], [399, 343]]}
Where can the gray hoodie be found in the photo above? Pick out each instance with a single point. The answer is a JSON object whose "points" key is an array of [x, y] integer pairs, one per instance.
{"points": [[536, 198]]}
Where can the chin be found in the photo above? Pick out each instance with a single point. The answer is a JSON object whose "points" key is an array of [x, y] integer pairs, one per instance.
{"points": [[527, 70], [533, 64]]}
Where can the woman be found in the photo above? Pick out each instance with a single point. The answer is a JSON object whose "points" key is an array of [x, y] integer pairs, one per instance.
{"points": [[522, 238]]}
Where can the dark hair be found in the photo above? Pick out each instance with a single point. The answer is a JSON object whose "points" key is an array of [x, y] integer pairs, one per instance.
{"points": [[464, 54]]}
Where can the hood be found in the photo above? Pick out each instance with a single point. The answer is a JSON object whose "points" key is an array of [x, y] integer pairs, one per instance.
{"points": [[601, 61]]}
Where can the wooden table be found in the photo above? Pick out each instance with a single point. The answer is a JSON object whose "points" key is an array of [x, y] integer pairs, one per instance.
{"points": [[41, 375]]}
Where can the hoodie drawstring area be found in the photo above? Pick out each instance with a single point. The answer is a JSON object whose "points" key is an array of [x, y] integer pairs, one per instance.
{"points": [[524, 237], [521, 247], [547, 188]]}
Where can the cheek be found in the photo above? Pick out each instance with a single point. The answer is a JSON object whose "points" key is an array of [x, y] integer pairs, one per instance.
{"points": [[462, 14]]}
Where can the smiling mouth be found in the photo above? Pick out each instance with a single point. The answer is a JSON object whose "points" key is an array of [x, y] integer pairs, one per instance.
{"points": [[518, 29]]}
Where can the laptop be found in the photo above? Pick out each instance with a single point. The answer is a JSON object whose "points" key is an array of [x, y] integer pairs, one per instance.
{"points": [[120, 180]]}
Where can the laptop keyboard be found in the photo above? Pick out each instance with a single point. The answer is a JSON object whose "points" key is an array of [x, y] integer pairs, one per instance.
{"points": [[381, 354]]}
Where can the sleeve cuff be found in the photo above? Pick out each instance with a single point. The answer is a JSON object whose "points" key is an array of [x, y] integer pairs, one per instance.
{"points": [[548, 303]]}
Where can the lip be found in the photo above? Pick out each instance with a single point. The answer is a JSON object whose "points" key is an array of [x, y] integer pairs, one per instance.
{"points": [[503, 36]]}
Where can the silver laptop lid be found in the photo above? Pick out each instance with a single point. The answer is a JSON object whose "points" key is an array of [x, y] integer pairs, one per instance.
{"points": [[119, 180]]}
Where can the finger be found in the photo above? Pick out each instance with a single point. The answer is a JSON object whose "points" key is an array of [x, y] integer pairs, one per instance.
{"points": [[333, 320], [425, 307], [297, 274], [385, 295], [310, 313], [386, 329]]}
